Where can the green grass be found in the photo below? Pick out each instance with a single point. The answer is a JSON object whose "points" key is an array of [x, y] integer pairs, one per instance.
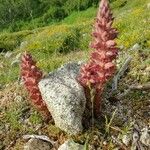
{"points": [[35, 118], [133, 23], [68, 40], [81, 16], [10, 41]]}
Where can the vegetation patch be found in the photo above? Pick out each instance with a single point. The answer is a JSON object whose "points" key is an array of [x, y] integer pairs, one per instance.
{"points": [[59, 34]]}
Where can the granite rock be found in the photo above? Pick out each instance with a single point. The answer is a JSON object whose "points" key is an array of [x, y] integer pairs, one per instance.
{"points": [[36, 144], [64, 97], [71, 145]]}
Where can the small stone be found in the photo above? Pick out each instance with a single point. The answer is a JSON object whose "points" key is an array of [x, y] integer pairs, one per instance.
{"points": [[7, 127], [7, 85], [148, 5], [135, 139], [145, 137], [147, 69], [121, 47], [23, 45], [40, 137], [38, 127], [18, 98], [126, 139], [18, 56], [8, 54], [135, 136], [15, 62], [105, 143], [71, 145], [2, 53], [135, 47], [36, 144], [91, 147], [1, 65], [27, 122]]}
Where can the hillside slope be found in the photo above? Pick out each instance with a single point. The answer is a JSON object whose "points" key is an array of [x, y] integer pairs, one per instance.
{"points": [[68, 40]]}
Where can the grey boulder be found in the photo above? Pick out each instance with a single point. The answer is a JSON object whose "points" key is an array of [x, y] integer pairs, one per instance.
{"points": [[71, 145], [64, 97], [37, 144]]}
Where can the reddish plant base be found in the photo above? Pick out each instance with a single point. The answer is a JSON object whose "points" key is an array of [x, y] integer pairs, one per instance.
{"points": [[100, 68], [96, 102], [31, 76]]}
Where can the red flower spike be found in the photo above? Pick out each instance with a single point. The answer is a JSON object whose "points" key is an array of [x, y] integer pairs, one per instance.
{"points": [[31, 76], [100, 68]]}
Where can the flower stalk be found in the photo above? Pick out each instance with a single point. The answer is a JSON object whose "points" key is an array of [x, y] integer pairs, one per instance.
{"points": [[31, 75], [101, 66]]}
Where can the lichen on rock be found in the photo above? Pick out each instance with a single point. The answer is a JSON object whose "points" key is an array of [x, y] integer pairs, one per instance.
{"points": [[64, 97]]}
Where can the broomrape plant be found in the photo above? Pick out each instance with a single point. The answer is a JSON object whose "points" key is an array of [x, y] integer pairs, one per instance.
{"points": [[31, 76], [100, 67]]}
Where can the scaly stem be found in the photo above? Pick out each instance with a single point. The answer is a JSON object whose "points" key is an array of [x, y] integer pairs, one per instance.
{"points": [[92, 94]]}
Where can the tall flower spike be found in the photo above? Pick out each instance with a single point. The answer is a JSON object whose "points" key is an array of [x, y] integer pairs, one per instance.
{"points": [[101, 66], [31, 76]]}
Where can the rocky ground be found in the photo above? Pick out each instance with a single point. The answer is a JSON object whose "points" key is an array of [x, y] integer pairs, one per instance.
{"points": [[124, 123]]}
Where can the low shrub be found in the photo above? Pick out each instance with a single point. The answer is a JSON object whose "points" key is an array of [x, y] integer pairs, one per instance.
{"points": [[57, 39], [10, 41]]}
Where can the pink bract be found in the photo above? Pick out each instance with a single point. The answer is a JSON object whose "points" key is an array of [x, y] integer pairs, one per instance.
{"points": [[31, 76], [101, 66]]}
